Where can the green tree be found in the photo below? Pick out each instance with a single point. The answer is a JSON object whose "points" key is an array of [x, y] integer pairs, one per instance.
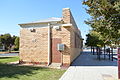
{"points": [[13, 39], [9, 41], [6, 40], [94, 40], [105, 18], [16, 43], [0, 44], [1, 39]]}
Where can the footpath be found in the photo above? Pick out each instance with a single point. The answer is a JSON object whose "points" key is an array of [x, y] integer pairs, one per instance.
{"points": [[88, 67]]}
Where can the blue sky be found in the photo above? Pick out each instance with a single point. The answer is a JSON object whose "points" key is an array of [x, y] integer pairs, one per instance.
{"points": [[13, 12]]}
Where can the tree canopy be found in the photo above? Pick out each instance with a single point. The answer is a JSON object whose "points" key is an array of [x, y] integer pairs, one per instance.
{"points": [[8, 41], [94, 39], [105, 18]]}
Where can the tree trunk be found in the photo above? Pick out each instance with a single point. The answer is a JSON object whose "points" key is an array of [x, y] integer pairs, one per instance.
{"points": [[97, 52], [112, 53], [9, 49]]}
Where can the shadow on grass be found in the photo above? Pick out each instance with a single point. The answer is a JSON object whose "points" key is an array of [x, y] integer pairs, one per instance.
{"points": [[6, 57], [14, 70]]}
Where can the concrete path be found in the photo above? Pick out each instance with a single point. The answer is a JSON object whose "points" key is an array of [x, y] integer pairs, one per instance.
{"points": [[88, 67], [9, 54]]}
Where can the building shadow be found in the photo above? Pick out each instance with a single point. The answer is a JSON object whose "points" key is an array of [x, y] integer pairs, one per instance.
{"points": [[88, 59]]}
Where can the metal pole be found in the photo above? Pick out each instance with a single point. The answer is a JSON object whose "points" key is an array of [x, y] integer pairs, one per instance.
{"points": [[99, 53], [104, 52], [118, 63], [109, 53]]}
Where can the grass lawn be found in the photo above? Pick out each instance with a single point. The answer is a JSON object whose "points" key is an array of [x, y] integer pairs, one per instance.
{"points": [[13, 72], [8, 59]]}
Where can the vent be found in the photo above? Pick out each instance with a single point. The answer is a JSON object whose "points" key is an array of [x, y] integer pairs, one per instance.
{"points": [[32, 30], [56, 27]]}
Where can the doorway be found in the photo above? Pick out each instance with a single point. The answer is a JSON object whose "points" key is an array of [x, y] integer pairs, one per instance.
{"points": [[56, 55]]}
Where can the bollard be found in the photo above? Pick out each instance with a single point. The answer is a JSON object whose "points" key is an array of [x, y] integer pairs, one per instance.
{"points": [[118, 51]]}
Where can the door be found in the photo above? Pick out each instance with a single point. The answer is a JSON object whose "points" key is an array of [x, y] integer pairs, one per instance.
{"points": [[56, 55]]}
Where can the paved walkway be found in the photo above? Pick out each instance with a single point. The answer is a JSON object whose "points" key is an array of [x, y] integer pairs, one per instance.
{"points": [[88, 67], [9, 54]]}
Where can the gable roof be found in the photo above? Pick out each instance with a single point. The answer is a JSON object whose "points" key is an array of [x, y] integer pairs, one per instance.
{"points": [[52, 19]]}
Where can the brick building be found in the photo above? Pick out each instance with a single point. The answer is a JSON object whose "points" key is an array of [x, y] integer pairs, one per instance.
{"points": [[50, 41]]}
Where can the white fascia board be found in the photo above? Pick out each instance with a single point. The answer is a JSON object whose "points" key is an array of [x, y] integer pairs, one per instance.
{"points": [[38, 24]]}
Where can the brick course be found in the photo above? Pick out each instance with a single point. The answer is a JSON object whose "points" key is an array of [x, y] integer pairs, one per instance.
{"points": [[33, 46]]}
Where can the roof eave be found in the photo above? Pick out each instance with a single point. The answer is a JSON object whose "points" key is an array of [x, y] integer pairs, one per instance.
{"points": [[39, 23]]}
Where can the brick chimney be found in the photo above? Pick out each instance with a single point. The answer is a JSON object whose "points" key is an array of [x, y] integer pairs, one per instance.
{"points": [[68, 18], [66, 15]]}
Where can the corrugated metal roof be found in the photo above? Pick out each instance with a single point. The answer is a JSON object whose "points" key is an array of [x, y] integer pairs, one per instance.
{"points": [[53, 19]]}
